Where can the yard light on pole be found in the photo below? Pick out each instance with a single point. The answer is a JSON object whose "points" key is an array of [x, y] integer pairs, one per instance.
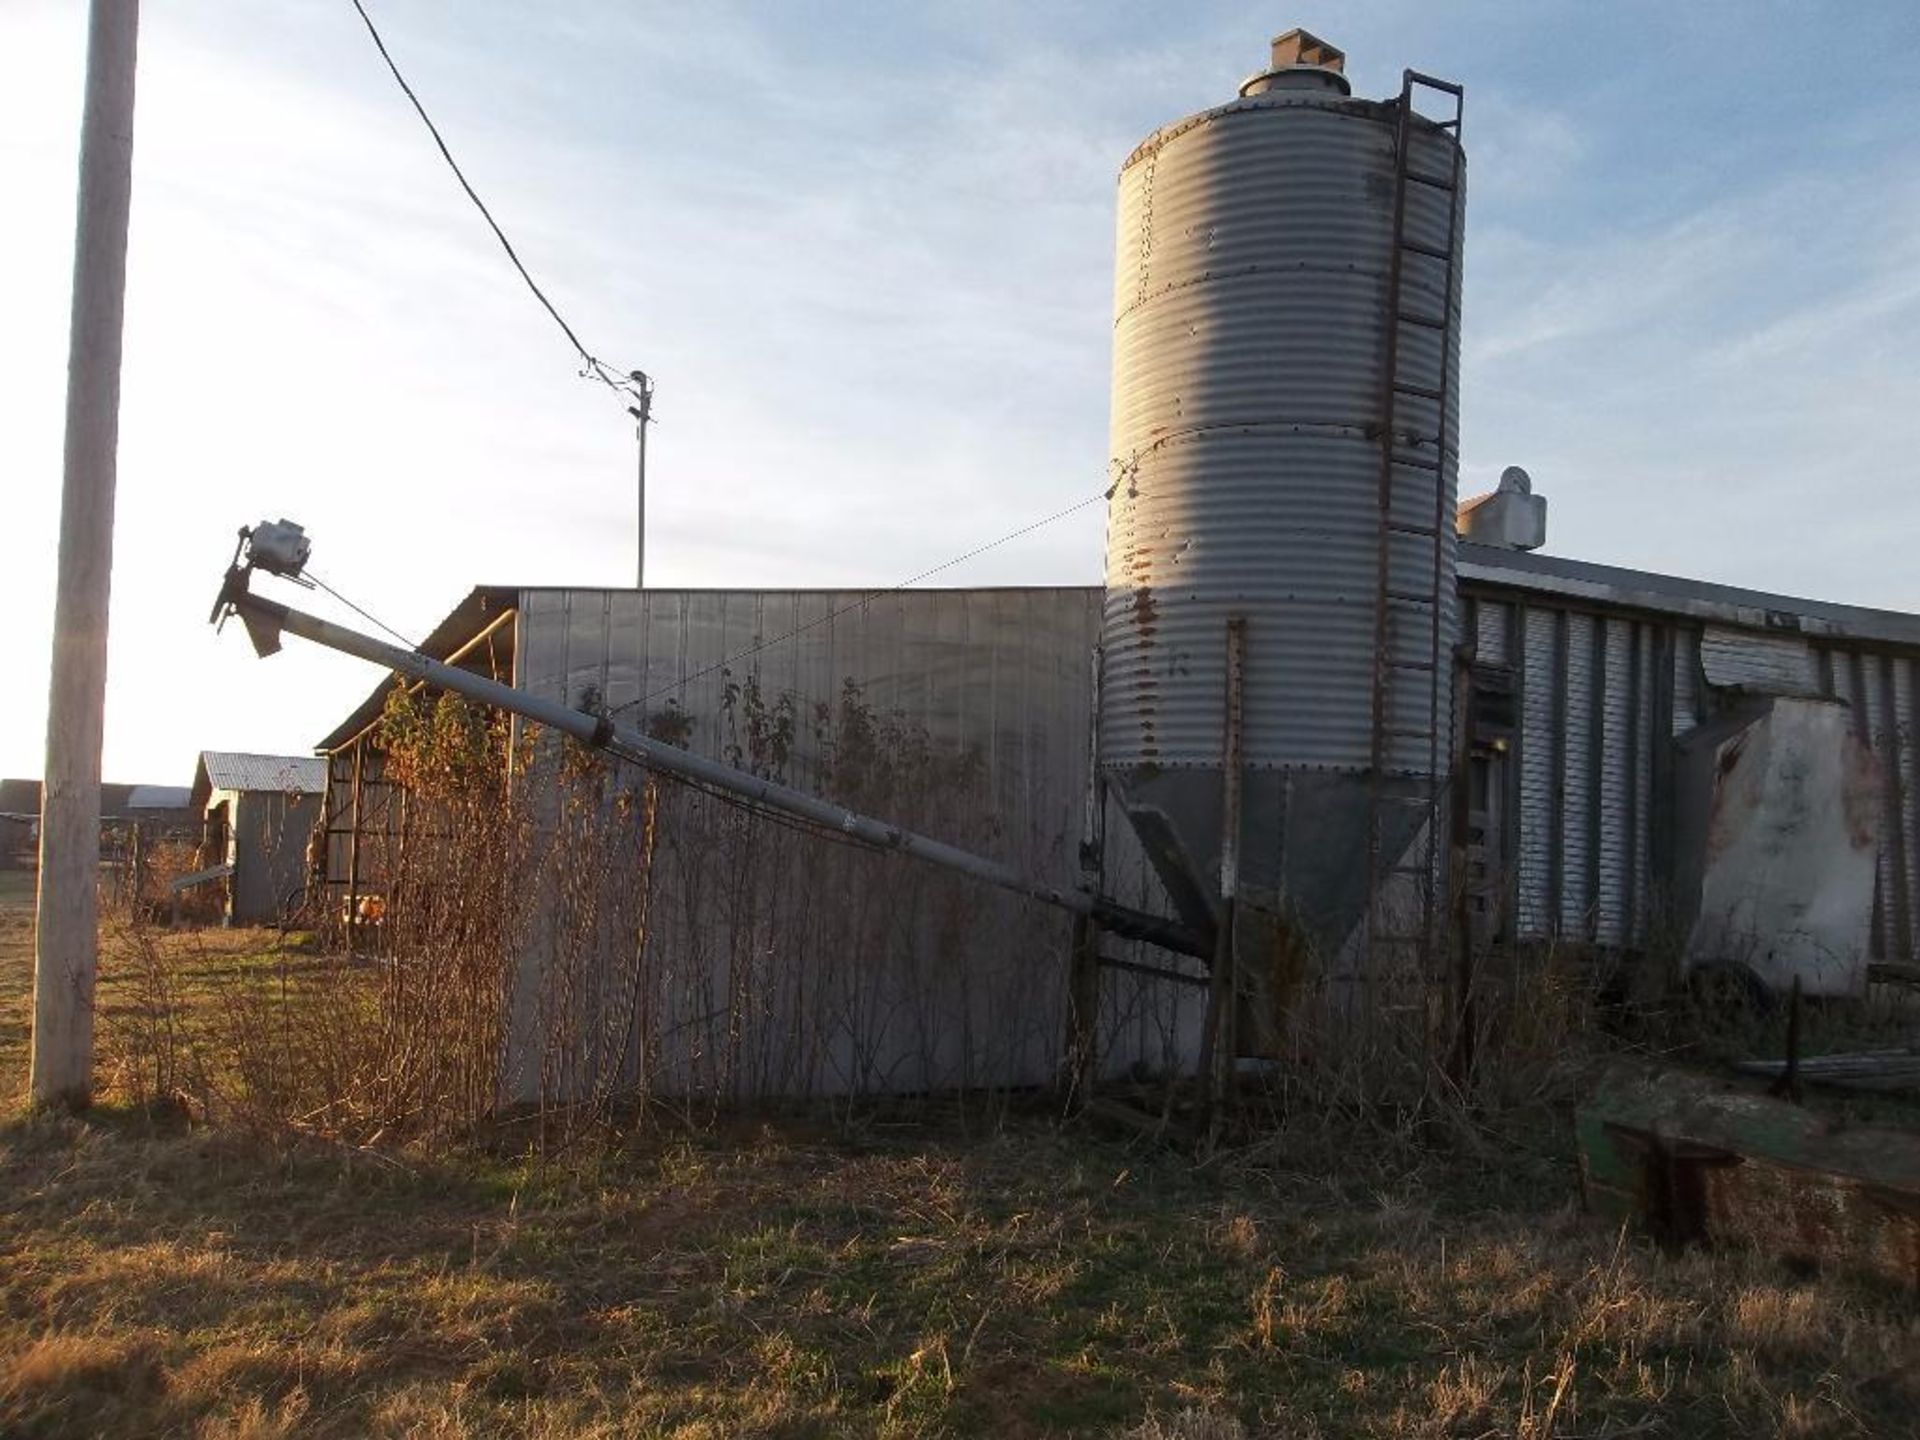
{"points": [[642, 390]]}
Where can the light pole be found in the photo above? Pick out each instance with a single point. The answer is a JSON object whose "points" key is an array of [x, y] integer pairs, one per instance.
{"points": [[642, 390]]}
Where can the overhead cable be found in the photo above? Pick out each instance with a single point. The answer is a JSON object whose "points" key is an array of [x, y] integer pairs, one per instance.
{"points": [[632, 383], [366, 615]]}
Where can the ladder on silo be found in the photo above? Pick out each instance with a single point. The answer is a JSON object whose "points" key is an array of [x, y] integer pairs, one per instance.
{"points": [[1407, 658]]}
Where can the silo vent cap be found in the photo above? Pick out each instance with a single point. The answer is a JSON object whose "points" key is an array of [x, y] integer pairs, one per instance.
{"points": [[1509, 518], [1302, 62], [1297, 47]]}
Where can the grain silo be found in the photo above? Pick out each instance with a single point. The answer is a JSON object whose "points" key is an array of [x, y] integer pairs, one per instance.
{"points": [[1281, 531]]}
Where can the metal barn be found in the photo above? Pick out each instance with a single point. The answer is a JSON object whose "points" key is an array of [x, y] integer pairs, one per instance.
{"points": [[1588, 681]]}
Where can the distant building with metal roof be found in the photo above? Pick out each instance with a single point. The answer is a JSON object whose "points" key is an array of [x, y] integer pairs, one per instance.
{"points": [[238, 771], [157, 811], [259, 813], [159, 797]]}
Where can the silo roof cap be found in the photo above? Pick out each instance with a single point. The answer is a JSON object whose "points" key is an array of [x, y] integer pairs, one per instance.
{"points": [[1301, 61]]}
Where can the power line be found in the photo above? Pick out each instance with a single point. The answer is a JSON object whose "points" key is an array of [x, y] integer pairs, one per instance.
{"points": [[867, 599], [632, 383]]}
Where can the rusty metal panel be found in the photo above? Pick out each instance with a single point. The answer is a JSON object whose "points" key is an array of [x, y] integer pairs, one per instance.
{"points": [[1701, 1161], [1785, 842], [1250, 304], [1757, 664]]}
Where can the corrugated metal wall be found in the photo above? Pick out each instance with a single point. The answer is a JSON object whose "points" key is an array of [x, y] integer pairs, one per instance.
{"points": [[1005, 675], [1006, 671], [1594, 710], [1601, 692], [268, 846], [1880, 685]]}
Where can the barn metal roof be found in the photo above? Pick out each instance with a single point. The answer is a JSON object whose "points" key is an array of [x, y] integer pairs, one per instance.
{"points": [[282, 774], [158, 797], [1610, 585]]}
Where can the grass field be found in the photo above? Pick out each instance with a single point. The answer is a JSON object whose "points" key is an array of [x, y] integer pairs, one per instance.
{"points": [[907, 1278]]}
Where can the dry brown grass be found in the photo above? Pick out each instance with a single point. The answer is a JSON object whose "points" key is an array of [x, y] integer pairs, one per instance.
{"points": [[898, 1279]]}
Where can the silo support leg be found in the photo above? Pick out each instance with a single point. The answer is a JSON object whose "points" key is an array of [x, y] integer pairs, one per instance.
{"points": [[1220, 1046]]}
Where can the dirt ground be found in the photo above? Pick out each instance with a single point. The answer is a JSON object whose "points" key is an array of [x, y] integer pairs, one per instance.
{"points": [[909, 1275]]}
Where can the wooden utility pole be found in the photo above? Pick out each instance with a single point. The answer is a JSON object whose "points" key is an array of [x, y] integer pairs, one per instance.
{"points": [[67, 940]]}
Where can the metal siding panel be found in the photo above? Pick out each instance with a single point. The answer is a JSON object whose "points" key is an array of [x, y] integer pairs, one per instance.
{"points": [[542, 658], [1873, 709], [1758, 664], [1687, 697], [1538, 842], [1006, 673], [1909, 809], [1492, 622], [1576, 899], [1639, 920], [626, 652], [1895, 782], [1619, 774]]}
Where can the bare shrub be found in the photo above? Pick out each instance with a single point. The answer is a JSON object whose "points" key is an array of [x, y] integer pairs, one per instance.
{"points": [[167, 861], [565, 933], [283, 1038], [151, 1057]]}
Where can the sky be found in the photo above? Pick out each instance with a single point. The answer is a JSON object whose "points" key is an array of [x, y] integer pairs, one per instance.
{"points": [[866, 251]]}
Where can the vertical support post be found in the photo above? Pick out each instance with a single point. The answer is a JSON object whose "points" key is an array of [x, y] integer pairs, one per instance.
{"points": [[137, 862], [642, 417], [1513, 774], [352, 917], [1083, 960], [1460, 936], [1220, 1046], [66, 947]]}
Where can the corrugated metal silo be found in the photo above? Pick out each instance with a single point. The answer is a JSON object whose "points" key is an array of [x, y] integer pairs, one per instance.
{"points": [[1286, 338]]}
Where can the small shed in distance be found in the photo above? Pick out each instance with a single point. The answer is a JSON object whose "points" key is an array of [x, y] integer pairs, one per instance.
{"points": [[258, 812]]}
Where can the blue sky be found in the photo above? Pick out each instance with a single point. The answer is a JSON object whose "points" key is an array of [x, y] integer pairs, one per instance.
{"points": [[866, 250]]}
